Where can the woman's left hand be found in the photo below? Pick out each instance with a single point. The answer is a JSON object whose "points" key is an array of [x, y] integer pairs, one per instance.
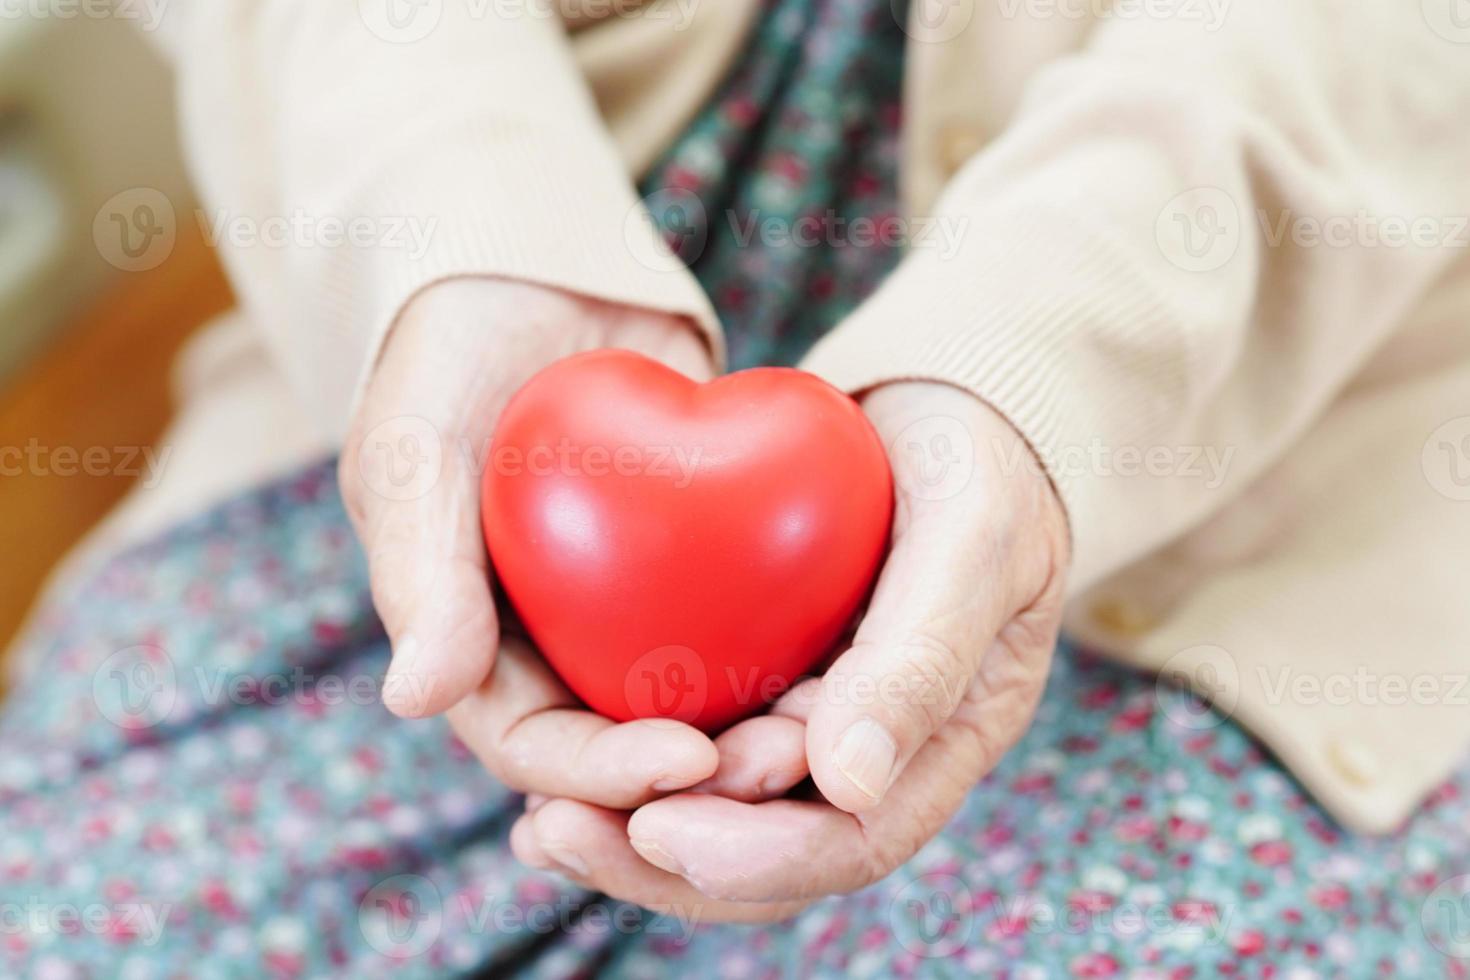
{"points": [[942, 677]]}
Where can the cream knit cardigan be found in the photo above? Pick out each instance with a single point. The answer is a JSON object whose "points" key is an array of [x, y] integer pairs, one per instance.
{"points": [[1211, 262]]}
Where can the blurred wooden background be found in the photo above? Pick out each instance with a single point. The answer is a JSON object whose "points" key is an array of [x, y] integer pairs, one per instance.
{"points": [[104, 381]]}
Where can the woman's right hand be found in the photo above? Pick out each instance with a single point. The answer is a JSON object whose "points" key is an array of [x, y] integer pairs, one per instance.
{"points": [[410, 476]]}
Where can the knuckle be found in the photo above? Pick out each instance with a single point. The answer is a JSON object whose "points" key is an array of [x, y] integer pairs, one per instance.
{"points": [[935, 675]]}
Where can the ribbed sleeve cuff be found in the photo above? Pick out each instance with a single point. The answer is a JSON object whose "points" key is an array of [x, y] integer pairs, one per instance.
{"points": [[516, 202], [1047, 326]]}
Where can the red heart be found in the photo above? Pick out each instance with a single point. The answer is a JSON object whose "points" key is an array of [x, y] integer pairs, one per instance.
{"points": [[679, 549]]}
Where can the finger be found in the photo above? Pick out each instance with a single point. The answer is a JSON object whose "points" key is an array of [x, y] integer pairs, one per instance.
{"points": [[789, 850], [525, 848], [593, 843], [760, 759], [529, 732], [917, 649], [797, 703], [413, 491], [684, 349], [751, 852], [964, 566]]}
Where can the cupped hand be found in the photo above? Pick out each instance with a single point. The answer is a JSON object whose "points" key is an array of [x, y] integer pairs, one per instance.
{"points": [[410, 477], [942, 677]]}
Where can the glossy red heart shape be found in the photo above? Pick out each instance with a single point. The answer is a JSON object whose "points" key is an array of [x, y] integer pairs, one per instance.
{"points": [[678, 549]]}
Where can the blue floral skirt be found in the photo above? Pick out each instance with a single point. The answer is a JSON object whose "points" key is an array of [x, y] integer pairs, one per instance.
{"points": [[198, 781]]}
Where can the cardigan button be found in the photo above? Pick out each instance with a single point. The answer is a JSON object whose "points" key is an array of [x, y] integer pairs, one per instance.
{"points": [[1123, 617], [958, 143], [1354, 761]]}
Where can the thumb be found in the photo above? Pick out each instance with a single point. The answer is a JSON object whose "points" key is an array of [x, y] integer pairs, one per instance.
{"points": [[933, 616], [964, 565], [414, 496]]}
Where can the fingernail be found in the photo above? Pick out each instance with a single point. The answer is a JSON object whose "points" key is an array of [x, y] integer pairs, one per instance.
{"points": [[774, 783], [655, 855], [866, 755], [565, 856], [403, 689], [405, 654], [664, 784]]}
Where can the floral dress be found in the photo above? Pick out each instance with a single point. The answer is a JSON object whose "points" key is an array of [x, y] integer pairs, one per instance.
{"points": [[199, 781]]}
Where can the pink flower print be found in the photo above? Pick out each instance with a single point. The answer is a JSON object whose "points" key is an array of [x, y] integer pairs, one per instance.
{"points": [[1094, 965]]}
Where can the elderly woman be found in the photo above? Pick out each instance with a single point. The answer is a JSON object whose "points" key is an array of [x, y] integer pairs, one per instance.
{"points": [[1160, 309]]}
